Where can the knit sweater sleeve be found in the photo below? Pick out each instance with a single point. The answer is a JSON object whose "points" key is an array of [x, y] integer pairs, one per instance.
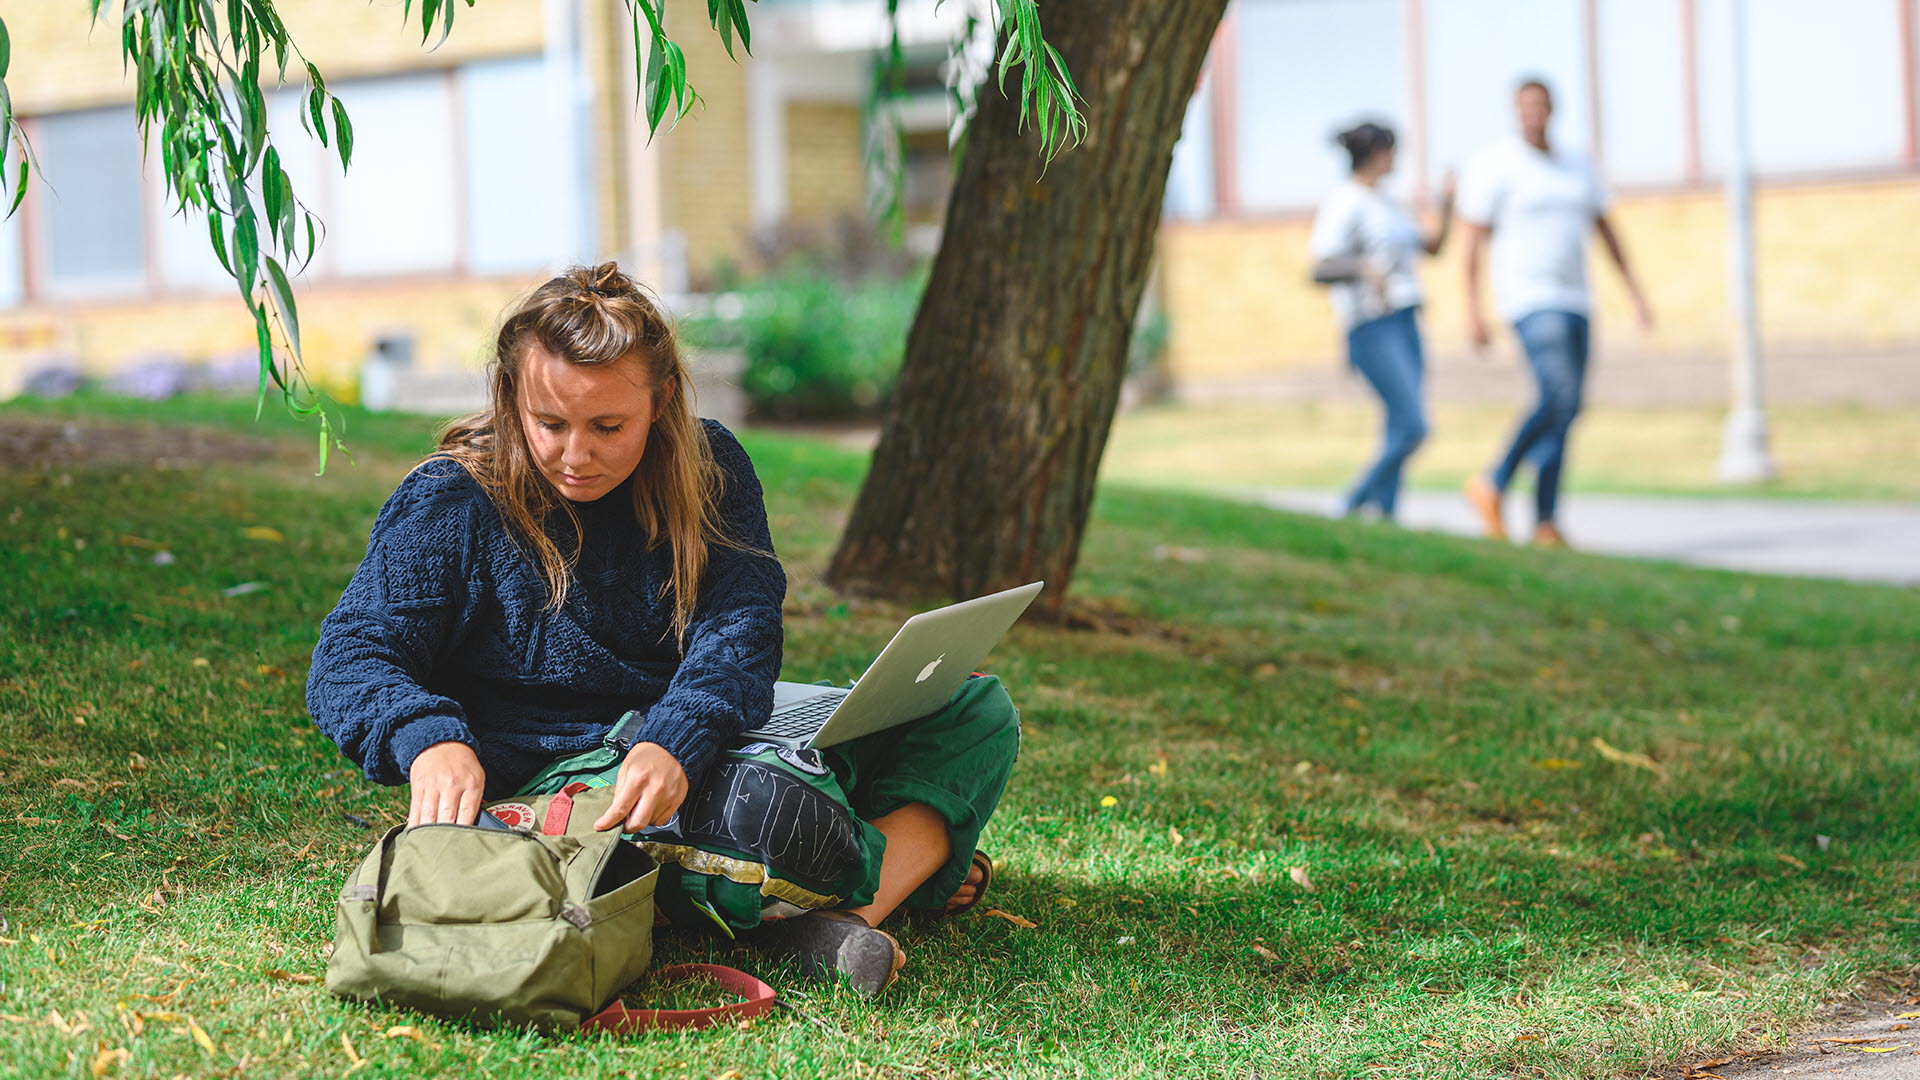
{"points": [[368, 688], [725, 680]]}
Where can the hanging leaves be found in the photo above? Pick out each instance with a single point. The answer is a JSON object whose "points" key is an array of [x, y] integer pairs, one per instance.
{"points": [[200, 106]]}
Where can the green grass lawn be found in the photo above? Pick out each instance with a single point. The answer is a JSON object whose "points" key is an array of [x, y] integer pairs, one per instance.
{"points": [[1314, 799], [1831, 451]]}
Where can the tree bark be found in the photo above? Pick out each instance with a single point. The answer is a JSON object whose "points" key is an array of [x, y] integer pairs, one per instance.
{"points": [[984, 474]]}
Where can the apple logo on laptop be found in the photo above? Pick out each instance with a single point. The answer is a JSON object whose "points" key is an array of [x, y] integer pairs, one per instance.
{"points": [[927, 672]]}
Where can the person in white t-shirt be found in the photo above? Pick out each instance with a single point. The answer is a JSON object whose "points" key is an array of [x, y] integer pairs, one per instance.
{"points": [[1537, 202], [1366, 249]]}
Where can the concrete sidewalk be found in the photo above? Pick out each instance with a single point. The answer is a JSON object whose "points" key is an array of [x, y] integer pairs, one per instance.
{"points": [[1854, 541]]}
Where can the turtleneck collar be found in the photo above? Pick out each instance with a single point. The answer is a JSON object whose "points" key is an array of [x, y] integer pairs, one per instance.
{"points": [[610, 510]]}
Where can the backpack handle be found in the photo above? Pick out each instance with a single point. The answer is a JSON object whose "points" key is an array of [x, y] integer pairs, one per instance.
{"points": [[560, 809], [617, 1019]]}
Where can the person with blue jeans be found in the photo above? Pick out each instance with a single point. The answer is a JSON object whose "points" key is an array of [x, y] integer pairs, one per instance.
{"points": [[1536, 202], [1366, 250]]}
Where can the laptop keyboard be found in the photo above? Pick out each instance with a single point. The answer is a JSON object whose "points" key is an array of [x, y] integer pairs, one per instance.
{"points": [[802, 718]]}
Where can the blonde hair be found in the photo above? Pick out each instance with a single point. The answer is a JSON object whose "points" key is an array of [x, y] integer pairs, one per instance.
{"points": [[595, 317]]}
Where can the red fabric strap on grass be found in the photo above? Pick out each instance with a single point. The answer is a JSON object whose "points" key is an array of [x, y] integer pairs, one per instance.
{"points": [[559, 809], [617, 1019]]}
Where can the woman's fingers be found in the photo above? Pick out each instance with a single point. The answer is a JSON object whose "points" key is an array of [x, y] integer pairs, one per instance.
{"points": [[626, 792], [469, 813], [448, 811]]}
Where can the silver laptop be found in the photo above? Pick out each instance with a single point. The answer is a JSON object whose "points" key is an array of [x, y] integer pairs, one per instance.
{"points": [[914, 675]]}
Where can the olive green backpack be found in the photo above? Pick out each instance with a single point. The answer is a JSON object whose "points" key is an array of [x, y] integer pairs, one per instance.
{"points": [[542, 926]]}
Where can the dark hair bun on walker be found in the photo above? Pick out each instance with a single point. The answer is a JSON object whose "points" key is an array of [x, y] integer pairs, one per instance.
{"points": [[1364, 140]]}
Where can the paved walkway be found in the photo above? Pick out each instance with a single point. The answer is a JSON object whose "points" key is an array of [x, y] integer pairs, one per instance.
{"points": [[1855, 541]]}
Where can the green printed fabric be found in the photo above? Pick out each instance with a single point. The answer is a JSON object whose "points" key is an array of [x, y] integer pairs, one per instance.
{"points": [[777, 831]]}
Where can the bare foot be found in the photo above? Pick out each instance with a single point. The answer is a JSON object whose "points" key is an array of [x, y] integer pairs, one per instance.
{"points": [[969, 889]]}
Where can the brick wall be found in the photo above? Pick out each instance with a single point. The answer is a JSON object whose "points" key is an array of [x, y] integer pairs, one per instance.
{"points": [[1836, 271], [826, 170], [451, 321], [704, 184]]}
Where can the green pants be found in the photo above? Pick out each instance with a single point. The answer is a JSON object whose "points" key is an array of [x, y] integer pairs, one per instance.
{"points": [[955, 760]]}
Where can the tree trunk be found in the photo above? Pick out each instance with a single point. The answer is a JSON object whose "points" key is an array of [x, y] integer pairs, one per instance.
{"points": [[984, 475]]}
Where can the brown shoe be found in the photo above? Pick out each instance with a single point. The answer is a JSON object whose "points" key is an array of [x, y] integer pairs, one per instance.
{"points": [[1546, 536], [1485, 501]]}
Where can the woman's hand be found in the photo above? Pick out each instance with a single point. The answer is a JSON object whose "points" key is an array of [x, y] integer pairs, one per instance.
{"points": [[649, 791], [446, 781]]}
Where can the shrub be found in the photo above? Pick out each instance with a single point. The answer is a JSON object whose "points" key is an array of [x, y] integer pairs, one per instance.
{"points": [[823, 330]]}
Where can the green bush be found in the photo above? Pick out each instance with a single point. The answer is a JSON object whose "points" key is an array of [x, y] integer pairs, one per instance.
{"points": [[818, 347]]}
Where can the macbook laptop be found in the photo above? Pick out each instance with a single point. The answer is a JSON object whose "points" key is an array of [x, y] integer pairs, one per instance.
{"points": [[927, 660]]}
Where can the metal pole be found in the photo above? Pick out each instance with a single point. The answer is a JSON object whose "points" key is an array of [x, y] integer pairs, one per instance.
{"points": [[1743, 450]]}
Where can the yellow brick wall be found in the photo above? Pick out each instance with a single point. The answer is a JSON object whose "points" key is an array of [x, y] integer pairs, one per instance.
{"points": [[826, 170], [61, 61], [704, 184], [452, 322], [1836, 272]]}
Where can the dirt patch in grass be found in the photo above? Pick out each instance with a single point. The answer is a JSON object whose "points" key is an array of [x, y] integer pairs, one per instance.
{"points": [[32, 442], [1874, 1036]]}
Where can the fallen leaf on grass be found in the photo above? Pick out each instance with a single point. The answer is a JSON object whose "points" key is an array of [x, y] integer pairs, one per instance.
{"points": [[1790, 860], [104, 1062], [290, 976], [730, 1074], [1024, 924], [68, 781], [1624, 757], [1556, 763], [1714, 1064], [1266, 953], [200, 1036], [405, 1031], [352, 1054], [1301, 878], [264, 532]]}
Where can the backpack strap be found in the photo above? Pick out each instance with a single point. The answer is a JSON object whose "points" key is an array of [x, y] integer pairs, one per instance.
{"points": [[760, 998], [560, 808]]}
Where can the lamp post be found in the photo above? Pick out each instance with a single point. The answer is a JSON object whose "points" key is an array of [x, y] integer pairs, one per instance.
{"points": [[1744, 458]]}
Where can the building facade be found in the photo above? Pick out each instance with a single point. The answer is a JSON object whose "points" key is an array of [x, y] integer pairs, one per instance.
{"points": [[479, 166], [1642, 87]]}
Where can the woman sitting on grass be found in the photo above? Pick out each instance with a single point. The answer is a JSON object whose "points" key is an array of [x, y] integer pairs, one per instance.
{"points": [[586, 547]]}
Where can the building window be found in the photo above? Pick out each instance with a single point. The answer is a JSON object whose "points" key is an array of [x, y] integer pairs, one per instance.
{"points": [[1305, 69], [513, 179], [397, 211], [1824, 86], [1643, 91], [1190, 184], [87, 212], [1477, 51]]}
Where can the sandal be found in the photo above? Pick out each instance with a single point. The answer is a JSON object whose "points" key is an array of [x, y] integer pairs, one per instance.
{"points": [[829, 943], [985, 863]]}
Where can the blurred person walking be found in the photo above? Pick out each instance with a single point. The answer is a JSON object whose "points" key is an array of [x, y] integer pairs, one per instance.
{"points": [[1538, 202], [1366, 249]]}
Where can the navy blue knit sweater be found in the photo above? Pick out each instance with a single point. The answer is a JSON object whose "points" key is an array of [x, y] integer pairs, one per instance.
{"points": [[443, 634]]}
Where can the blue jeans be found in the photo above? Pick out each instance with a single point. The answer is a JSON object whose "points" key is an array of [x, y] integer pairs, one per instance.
{"points": [[1387, 351], [1556, 343]]}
